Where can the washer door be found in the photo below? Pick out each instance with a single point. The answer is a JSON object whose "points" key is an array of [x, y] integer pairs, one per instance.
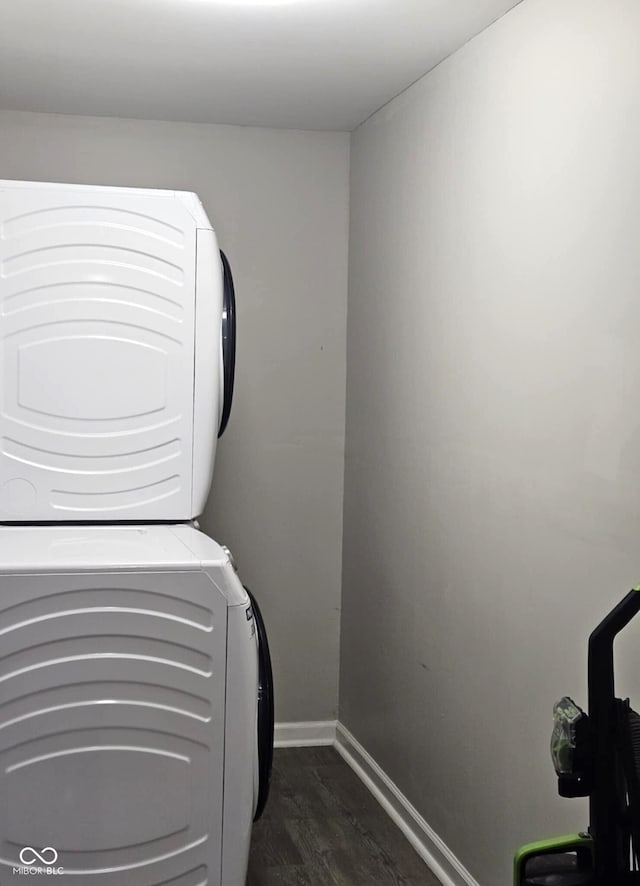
{"points": [[265, 710], [228, 341]]}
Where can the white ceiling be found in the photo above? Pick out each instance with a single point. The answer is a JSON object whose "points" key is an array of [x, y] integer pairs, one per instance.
{"points": [[308, 64]]}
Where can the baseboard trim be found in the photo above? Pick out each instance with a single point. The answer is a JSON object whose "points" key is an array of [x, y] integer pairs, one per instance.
{"points": [[429, 846], [436, 854], [303, 735]]}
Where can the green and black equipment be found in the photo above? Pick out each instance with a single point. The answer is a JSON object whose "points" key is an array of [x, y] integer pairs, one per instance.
{"points": [[595, 755]]}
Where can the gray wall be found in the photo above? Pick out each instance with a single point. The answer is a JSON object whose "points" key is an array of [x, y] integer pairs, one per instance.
{"points": [[492, 485], [279, 203]]}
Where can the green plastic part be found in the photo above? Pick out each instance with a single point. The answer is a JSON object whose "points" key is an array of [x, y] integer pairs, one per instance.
{"points": [[565, 843]]}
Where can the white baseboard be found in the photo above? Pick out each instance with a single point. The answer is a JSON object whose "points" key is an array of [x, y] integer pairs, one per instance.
{"points": [[436, 854], [302, 735]]}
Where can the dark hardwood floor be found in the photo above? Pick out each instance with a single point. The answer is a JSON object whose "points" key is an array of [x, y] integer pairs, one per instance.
{"points": [[322, 827]]}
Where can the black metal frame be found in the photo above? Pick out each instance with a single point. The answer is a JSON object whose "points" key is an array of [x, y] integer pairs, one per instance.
{"points": [[607, 771], [608, 813]]}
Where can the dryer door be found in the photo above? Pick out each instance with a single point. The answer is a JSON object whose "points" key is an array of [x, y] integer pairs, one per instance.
{"points": [[228, 342]]}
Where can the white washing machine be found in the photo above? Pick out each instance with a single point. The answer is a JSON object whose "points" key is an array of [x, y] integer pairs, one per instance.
{"points": [[136, 709]]}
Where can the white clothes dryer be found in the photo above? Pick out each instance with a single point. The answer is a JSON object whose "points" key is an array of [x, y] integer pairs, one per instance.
{"points": [[114, 332]]}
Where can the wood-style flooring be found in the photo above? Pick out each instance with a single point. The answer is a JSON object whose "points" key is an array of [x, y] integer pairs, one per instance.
{"points": [[322, 827]]}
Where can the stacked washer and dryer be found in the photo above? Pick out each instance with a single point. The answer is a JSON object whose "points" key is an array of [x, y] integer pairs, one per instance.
{"points": [[136, 713]]}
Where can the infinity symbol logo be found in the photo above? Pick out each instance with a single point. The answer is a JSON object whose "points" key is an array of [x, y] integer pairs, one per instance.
{"points": [[47, 856]]}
